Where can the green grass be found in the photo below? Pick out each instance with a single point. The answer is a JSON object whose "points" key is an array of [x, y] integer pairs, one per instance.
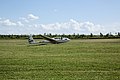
{"points": [[91, 59]]}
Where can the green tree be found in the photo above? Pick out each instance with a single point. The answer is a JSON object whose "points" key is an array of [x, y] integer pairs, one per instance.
{"points": [[101, 35]]}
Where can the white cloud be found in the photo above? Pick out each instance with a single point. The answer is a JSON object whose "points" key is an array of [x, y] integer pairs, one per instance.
{"points": [[24, 19], [114, 27], [73, 27], [29, 17], [20, 23], [7, 22], [70, 27], [32, 17], [51, 27]]}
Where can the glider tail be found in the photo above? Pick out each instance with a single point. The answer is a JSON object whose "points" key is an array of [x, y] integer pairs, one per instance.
{"points": [[31, 40]]}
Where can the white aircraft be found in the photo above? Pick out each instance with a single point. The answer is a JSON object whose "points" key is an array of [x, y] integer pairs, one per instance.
{"points": [[48, 40]]}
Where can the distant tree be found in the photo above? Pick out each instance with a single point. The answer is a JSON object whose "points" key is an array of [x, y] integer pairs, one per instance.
{"points": [[111, 35], [118, 33], [49, 35], [44, 34], [107, 35], [72, 36], [91, 35], [101, 35], [77, 36], [82, 36], [63, 35], [55, 35], [69, 36]]}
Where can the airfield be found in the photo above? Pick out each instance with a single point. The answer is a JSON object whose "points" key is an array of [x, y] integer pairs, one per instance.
{"points": [[83, 59]]}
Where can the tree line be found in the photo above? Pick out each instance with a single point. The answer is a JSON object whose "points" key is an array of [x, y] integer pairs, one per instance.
{"points": [[71, 36]]}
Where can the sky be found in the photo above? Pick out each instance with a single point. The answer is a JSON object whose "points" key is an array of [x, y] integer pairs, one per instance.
{"points": [[59, 16]]}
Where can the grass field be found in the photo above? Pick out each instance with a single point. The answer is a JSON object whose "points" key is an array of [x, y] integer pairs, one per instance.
{"points": [[91, 59]]}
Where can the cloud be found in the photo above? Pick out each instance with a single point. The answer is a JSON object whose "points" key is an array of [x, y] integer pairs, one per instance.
{"points": [[51, 27], [113, 27], [32, 17], [73, 26], [7, 22], [19, 23], [29, 17], [69, 27], [24, 19]]}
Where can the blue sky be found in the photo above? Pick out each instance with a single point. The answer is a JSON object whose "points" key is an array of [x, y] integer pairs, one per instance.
{"points": [[59, 16]]}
